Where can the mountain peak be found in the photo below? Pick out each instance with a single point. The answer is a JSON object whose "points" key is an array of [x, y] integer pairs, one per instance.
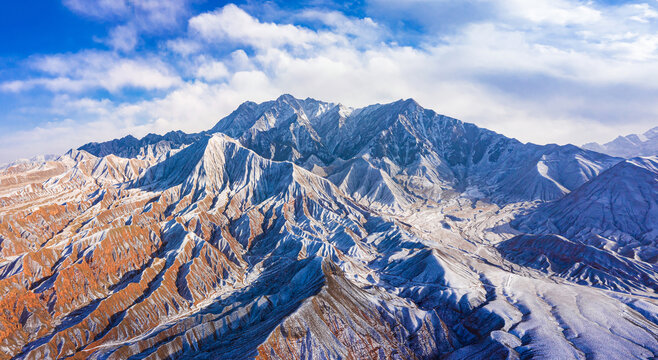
{"points": [[404, 135], [652, 133], [629, 146], [151, 145], [286, 98], [410, 101]]}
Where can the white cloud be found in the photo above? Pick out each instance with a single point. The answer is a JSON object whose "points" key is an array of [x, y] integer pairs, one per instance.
{"points": [[159, 13], [129, 73], [123, 37], [99, 8], [183, 46], [365, 30], [193, 107], [135, 17], [558, 12], [643, 13], [147, 14], [520, 71], [212, 71], [231, 23], [93, 69]]}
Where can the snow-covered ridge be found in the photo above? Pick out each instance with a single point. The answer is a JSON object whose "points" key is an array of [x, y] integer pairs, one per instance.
{"points": [[422, 152], [305, 229], [618, 211], [629, 146], [150, 147], [36, 160]]}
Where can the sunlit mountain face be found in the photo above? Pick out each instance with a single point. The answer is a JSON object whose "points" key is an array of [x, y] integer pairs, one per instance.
{"points": [[303, 229]]}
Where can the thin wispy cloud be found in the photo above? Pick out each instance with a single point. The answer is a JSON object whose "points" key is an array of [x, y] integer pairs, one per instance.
{"points": [[133, 17], [547, 71], [96, 69]]}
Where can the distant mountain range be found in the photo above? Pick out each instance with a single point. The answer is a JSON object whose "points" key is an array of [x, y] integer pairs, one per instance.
{"points": [[32, 160], [384, 143], [630, 145], [297, 228], [152, 145]]}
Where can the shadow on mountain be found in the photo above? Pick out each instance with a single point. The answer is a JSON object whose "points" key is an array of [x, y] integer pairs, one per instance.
{"points": [[580, 263]]}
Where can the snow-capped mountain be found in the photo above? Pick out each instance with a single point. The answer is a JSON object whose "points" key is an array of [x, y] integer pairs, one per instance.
{"points": [[151, 146], [33, 161], [618, 211], [305, 229], [630, 145], [406, 152]]}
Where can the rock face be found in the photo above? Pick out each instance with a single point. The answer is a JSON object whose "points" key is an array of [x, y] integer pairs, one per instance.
{"points": [[304, 229], [630, 145], [407, 153]]}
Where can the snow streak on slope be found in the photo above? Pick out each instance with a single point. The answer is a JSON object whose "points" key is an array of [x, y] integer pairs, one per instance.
{"points": [[408, 154], [303, 229], [580, 263], [618, 211], [150, 147]]}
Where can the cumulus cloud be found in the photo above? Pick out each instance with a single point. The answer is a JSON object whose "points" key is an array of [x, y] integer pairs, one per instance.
{"points": [[212, 71], [558, 12], [365, 31], [123, 37], [548, 71], [231, 23]]}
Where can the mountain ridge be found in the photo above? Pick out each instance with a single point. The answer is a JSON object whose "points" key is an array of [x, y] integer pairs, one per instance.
{"points": [[151, 145], [629, 146], [404, 137], [299, 228], [617, 210]]}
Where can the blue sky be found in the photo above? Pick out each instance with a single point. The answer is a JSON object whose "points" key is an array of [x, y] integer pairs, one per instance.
{"points": [[543, 71]]}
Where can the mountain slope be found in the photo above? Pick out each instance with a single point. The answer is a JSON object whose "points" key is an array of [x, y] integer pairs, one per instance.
{"points": [[618, 210], [237, 216], [423, 153], [630, 145], [302, 229], [579, 263], [34, 161]]}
